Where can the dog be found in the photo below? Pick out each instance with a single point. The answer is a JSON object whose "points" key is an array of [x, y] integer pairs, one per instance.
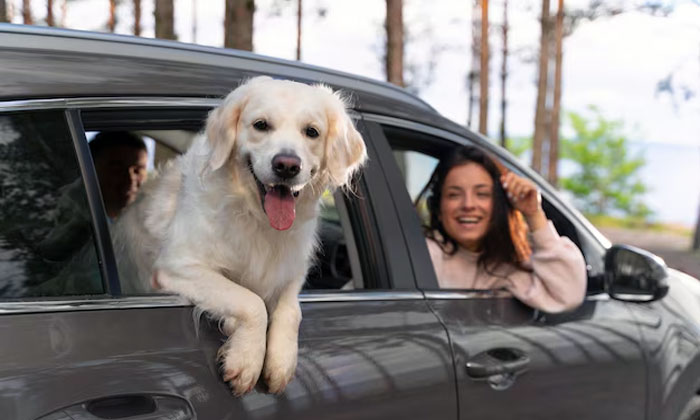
{"points": [[231, 224]]}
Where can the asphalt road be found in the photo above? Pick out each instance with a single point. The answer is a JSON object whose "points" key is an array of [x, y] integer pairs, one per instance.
{"points": [[673, 248]]}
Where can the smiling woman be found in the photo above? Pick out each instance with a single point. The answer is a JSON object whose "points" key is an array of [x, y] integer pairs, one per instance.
{"points": [[477, 234]]}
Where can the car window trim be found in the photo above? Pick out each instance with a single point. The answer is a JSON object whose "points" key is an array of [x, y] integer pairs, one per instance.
{"points": [[107, 102], [168, 301], [103, 242]]}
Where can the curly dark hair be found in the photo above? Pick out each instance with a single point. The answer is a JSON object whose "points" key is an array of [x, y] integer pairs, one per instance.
{"points": [[505, 240]]}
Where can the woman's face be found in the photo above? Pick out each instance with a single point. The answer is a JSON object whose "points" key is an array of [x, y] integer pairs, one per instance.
{"points": [[466, 204]]}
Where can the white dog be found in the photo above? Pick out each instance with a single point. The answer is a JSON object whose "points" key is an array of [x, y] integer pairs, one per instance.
{"points": [[231, 224]]}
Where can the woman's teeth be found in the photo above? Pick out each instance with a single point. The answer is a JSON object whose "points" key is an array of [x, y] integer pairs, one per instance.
{"points": [[468, 220]]}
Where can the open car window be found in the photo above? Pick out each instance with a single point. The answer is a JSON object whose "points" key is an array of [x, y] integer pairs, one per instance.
{"points": [[417, 155], [337, 262]]}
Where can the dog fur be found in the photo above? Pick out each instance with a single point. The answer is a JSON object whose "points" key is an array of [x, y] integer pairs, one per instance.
{"points": [[200, 228]]}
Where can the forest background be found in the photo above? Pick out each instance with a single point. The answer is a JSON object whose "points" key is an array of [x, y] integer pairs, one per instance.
{"points": [[602, 98]]}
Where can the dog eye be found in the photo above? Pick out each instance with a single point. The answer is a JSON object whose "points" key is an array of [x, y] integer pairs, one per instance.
{"points": [[311, 132], [261, 125]]}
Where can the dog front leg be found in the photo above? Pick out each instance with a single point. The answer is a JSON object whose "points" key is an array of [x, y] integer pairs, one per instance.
{"points": [[244, 319], [282, 339]]}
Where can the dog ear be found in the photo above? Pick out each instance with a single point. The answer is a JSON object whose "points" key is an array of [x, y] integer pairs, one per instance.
{"points": [[345, 151], [222, 122]]}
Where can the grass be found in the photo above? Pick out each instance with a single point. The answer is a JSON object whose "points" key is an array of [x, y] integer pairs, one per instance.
{"points": [[603, 221]]}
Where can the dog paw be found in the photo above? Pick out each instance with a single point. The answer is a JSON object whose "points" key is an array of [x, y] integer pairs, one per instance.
{"points": [[280, 365], [242, 361]]}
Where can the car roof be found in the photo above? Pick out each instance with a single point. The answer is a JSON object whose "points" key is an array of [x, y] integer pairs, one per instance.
{"points": [[44, 62]]}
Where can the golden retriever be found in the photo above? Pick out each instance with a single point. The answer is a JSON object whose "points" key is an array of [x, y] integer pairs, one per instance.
{"points": [[231, 224]]}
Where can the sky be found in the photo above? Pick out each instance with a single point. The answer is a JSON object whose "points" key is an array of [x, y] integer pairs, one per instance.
{"points": [[614, 63]]}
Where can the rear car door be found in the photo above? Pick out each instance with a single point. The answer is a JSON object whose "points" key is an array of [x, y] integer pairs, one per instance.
{"points": [[75, 347], [588, 362]]}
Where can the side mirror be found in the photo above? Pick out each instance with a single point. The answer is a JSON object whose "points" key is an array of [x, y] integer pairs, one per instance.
{"points": [[635, 275]]}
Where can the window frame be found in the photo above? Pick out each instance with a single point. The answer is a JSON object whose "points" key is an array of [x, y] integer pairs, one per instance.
{"points": [[370, 236], [593, 244]]}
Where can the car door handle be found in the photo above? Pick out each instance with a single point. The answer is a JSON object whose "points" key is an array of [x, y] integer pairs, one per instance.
{"points": [[131, 407], [498, 362]]}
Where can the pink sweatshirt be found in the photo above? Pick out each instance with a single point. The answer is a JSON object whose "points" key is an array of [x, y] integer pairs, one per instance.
{"points": [[557, 282]]}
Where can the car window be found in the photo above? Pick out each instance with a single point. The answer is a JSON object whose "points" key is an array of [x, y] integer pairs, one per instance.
{"points": [[336, 265], [418, 154], [46, 236]]}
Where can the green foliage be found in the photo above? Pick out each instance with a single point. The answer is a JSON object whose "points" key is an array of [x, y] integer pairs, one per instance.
{"points": [[519, 145], [606, 179]]}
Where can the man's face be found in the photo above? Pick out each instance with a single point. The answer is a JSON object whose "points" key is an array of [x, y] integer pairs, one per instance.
{"points": [[121, 171]]}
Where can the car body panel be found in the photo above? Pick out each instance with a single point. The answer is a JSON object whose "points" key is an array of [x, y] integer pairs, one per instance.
{"points": [[349, 353]]}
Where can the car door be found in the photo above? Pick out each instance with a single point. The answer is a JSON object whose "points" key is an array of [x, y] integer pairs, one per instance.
{"points": [[512, 361], [75, 347]]}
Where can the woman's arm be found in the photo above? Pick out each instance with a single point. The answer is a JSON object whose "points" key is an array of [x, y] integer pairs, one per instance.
{"points": [[558, 280]]}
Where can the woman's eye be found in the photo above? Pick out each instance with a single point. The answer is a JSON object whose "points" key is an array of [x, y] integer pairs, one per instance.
{"points": [[261, 125], [311, 132], [484, 195]]}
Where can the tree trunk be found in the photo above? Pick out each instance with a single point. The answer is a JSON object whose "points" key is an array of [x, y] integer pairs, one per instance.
{"points": [[696, 235], [165, 19], [394, 42], [3, 12], [194, 21], [540, 110], [27, 12], [484, 66], [552, 175], [49, 13], [476, 54], [238, 24], [299, 12], [112, 22], [64, 13], [137, 17], [504, 73]]}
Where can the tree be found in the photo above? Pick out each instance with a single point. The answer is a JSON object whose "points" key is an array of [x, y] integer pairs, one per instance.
{"points": [[27, 12], [194, 21], [3, 12], [394, 42], [238, 24], [484, 73], [165, 20], [299, 14], [475, 70], [112, 22], [553, 159], [607, 177], [543, 71], [49, 13], [137, 17], [504, 72]]}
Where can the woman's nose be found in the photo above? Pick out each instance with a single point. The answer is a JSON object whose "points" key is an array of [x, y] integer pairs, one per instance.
{"points": [[468, 201]]}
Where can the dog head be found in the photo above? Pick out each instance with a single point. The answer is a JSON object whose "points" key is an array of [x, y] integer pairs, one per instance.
{"points": [[284, 138]]}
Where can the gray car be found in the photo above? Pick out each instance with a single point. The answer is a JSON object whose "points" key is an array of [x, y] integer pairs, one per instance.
{"points": [[379, 339]]}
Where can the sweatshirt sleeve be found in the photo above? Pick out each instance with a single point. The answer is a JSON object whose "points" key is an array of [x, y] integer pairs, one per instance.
{"points": [[558, 280]]}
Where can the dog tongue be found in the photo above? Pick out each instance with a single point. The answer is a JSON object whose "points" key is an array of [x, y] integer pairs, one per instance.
{"points": [[279, 207]]}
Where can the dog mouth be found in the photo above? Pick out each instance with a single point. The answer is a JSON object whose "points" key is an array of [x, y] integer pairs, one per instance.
{"points": [[277, 201]]}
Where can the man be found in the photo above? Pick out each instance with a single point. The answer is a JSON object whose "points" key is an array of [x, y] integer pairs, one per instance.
{"points": [[121, 160]]}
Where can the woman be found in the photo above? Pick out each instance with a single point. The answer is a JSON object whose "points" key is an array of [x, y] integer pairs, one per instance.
{"points": [[477, 235]]}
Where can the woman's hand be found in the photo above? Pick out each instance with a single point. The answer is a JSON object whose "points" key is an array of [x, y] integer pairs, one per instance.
{"points": [[525, 197]]}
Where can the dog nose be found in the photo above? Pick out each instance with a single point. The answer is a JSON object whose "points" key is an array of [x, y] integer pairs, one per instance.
{"points": [[286, 165]]}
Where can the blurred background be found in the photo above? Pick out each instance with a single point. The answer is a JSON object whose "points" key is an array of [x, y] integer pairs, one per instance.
{"points": [[600, 97]]}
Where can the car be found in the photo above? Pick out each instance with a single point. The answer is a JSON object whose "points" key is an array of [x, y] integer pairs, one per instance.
{"points": [[379, 339]]}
